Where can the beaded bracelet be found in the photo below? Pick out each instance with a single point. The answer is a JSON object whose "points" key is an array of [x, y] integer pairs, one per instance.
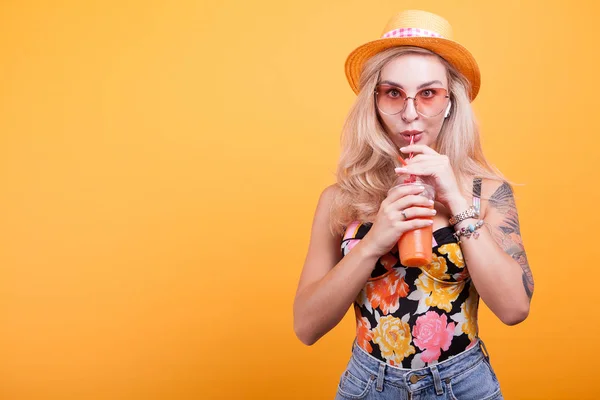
{"points": [[469, 230]]}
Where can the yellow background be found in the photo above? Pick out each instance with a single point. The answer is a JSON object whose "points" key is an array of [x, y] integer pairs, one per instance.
{"points": [[160, 163]]}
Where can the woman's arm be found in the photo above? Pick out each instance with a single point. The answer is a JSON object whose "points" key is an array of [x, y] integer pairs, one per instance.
{"points": [[497, 260], [328, 286]]}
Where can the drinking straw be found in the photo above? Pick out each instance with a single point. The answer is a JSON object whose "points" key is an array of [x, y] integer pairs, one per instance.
{"points": [[404, 164], [412, 178]]}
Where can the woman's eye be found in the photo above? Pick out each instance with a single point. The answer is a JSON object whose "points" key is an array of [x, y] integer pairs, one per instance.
{"points": [[393, 93], [427, 93]]}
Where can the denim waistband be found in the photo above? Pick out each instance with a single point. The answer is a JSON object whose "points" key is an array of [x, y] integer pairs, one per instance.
{"points": [[417, 379]]}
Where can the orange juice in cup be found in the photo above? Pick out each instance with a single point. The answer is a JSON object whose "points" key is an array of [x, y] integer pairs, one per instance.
{"points": [[415, 246]]}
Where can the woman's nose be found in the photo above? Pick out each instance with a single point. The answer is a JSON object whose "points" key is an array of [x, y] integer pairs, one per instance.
{"points": [[409, 113]]}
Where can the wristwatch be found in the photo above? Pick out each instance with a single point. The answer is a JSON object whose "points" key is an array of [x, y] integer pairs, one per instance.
{"points": [[470, 212]]}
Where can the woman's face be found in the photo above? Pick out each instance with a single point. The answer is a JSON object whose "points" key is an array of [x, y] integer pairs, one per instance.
{"points": [[413, 75]]}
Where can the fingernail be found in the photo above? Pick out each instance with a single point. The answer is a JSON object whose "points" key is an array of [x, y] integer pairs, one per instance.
{"points": [[431, 201], [400, 169], [433, 212], [402, 148], [429, 222]]}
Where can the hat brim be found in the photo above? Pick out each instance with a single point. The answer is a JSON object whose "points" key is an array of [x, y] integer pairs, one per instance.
{"points": [[449, 50]]}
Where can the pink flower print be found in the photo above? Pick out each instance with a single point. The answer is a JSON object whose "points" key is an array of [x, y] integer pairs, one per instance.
{"points": [[432, 333], [351, 230], [471, 345], [351, 244]]}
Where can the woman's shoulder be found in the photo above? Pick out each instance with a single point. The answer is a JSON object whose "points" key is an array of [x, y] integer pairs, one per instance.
{"points": [[325, 210], [327, 200], [495, 188], [495, 193], [329, 194]]}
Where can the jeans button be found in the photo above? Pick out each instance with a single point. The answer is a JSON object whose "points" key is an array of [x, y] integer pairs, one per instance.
{"points": [[414, 379]]}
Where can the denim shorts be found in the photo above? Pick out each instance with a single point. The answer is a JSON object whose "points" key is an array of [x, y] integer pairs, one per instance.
{"points": [[467, 376]]}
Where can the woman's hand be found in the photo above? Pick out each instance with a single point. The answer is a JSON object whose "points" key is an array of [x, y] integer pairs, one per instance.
{"points": [[402, 210], [436, 170]]}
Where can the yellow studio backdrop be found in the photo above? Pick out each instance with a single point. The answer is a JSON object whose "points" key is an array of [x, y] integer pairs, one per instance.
{"points": [[161, 163]]}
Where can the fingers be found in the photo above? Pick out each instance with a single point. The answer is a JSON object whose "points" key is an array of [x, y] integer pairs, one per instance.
{"points": [[401, 191], [417, 212], [437, 160], [408, 208], [422, 162], [411, 201], [421, 169], [414, 224], [423, 158], [421, 214], [412, 170], [418, 148]]}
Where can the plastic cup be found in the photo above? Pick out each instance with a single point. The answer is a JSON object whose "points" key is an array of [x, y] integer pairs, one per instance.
{"points": [[415, 246]]}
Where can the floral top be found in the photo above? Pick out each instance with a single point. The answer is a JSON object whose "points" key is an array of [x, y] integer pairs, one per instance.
{"points": [[412, 317]]}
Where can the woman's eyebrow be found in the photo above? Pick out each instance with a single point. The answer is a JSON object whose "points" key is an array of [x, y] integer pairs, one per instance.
{"points": [[421, 86], [428, 84]]}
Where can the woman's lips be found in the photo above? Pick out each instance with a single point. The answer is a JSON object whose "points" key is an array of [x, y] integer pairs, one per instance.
{"points": [[407, 137]]}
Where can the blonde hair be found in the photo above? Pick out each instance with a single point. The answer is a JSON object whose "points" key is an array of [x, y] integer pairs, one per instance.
{"points": [[365, 170]]}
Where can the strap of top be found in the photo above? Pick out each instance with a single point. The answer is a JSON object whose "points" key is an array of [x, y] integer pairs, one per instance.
{"points": [[477, 194]]}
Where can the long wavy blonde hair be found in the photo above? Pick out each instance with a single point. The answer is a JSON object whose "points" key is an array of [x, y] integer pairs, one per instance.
{"points": [[365, 170]]}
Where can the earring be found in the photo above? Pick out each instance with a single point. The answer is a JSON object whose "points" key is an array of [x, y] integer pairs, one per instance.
{"points": [[448, 109]]}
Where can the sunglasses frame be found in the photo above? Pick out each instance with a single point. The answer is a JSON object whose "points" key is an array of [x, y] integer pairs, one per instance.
{"points": [[375, 93]]}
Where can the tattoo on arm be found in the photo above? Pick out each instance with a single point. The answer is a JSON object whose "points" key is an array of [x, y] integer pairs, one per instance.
{"points": [[508, 235]]}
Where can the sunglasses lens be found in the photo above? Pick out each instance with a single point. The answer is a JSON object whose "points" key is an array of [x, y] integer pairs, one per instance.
{"points": [[432, 101], [390, 99]]}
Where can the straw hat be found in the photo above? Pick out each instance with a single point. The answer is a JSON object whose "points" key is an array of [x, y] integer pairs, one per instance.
{"points": [[420, 29]]}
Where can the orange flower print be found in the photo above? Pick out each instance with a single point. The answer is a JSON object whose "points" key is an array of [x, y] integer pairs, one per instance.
{"points": [[393, 337], [363, 331], [388, 261], [438, 294], [437, 268], [385, 293], [466, 318], [469, 309], [455, 255], [462, 275]]}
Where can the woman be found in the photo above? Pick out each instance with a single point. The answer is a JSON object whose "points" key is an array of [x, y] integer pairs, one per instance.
{"points": [[417, 334]]}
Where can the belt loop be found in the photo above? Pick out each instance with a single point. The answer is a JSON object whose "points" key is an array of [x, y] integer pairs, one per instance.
{"points": [[437, 381], [380, 376], [484, 350]]}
